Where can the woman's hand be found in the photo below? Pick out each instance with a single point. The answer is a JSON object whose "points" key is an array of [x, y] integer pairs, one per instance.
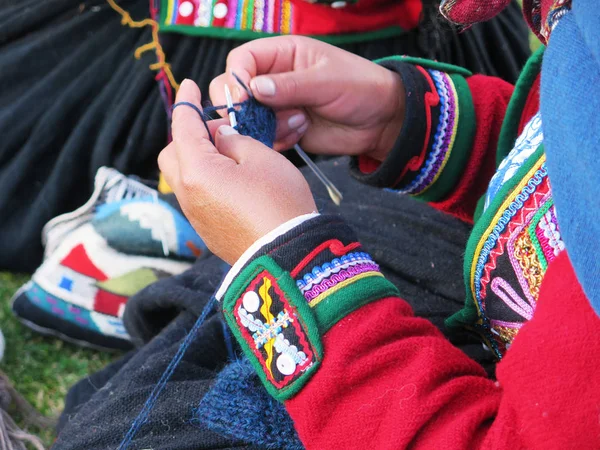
{"points": [[232, 193], [336, 102]]}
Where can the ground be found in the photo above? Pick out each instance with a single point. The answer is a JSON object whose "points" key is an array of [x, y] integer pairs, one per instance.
{"points": [[41, 368]]}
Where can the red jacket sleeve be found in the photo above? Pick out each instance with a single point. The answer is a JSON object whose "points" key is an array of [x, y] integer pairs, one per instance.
{"points": [[446, 150], [390, 380], [490, 98]]}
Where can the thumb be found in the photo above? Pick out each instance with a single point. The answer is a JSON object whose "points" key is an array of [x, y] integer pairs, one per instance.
{"points": [[301, 88], [235, 146]]}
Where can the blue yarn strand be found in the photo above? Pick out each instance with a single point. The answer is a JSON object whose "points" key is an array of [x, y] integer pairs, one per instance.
{"points": [[142, 417], [254, 119]]}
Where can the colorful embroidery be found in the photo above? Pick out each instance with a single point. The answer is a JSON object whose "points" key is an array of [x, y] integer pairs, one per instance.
{"points": [[527, 143], [444, 138], [513, 255], [557, 11], [316, 284], [268, 16], [272, 329]]}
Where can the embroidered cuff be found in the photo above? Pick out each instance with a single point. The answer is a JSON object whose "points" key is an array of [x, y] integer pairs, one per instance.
{"points": [[433, 144], [292, 291]]}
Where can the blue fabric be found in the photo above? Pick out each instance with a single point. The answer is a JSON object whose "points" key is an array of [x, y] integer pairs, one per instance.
{"points": [[570, 107], [239, 406]]}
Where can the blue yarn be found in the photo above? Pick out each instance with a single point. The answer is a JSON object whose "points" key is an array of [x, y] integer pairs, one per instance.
{"points": [[142, 417], [254, 119], [228, 339], [239, 406]]}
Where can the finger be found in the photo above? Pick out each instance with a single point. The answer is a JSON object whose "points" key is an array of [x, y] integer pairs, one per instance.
{"points": [[263, 56], [235, 146], [213, 125], [290, 121], [301, 88], [217, 91], [187, 126], [169, 166]]}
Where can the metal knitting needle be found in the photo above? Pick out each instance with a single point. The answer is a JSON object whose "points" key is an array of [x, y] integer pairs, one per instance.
{"points": [[334, 193], [232, 118]]}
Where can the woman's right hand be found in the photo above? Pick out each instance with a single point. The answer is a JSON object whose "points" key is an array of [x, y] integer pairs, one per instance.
{"points": [[335, 102]]}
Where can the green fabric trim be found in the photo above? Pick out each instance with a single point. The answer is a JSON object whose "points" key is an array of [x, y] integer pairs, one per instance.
{"points": [[468, 316], [248, 35], [510, 124], [339, 304], [293, 295], [429, 64], [532, 235], [463, 145]]}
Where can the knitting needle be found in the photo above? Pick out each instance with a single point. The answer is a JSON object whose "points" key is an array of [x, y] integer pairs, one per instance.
{"points": [[334, 193], [232, 118]]}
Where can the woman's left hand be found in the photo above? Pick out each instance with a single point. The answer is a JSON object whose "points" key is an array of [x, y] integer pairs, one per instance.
{"points": [[234, 192]]}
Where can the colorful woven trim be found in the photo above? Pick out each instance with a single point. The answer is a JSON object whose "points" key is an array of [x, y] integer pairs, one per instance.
{"points": [[274, 325], [508, 253], [267, 16], [444, 138], [316, 285]]}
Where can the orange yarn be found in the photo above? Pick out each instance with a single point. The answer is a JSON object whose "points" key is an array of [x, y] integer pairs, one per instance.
{"points": [[161, 63]]}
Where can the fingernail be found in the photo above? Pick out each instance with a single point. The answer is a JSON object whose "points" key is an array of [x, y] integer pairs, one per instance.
{"points": [[264, 86], [237, 94], [226, 130], [296, 121], [303, 128]]}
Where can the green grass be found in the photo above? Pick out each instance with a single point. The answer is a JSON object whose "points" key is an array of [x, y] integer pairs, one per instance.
{"points": [[41, 368]]}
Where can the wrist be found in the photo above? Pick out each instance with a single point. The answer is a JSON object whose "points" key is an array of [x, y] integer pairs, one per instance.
{"points": [[393, 114]]}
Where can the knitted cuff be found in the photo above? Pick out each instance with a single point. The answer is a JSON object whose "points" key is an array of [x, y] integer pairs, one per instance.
{"points": [[433, 144], [292, 291]]}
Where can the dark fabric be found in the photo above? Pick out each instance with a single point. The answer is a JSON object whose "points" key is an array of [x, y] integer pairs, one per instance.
{"points": [[409, 143], [418, 248], [74, 98]]}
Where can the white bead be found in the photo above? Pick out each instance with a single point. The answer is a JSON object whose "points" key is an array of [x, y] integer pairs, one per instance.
{"points": [[286, 364], [220, 10], [186, 8], [338, 5], [251, 301]]}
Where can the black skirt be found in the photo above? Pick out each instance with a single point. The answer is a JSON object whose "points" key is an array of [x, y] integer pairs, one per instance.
{"points": [[73, 98]]}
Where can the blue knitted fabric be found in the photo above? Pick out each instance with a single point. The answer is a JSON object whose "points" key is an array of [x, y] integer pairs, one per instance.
{"points": [[254, 119], [257, 121], [570, 107], [239, 406]]}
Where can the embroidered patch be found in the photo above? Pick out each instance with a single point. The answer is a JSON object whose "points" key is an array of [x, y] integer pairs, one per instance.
{"points": [[274, 325], [512, 256], [527, 143]]}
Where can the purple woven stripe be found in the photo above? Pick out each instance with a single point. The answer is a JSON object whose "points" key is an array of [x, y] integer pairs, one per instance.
{"points": [[337, 278], [437, 164]]}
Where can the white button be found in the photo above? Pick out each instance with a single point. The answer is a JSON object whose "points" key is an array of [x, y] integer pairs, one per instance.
{"points": [[186, 8], [338, 5], [251, 301], [220, 10], [286, 364]]}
